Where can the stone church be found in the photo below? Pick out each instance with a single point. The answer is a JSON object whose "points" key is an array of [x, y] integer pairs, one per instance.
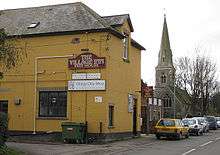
{"points": [[175, 101]]}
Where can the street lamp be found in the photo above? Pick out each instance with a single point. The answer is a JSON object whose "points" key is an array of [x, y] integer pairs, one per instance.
{"points": [[174, 101]]}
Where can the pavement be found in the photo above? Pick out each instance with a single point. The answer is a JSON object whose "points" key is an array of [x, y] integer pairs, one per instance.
{"points": [[195, 145]]}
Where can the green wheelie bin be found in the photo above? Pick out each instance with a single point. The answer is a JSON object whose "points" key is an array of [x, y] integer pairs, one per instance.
{"points": [[74, 132]]}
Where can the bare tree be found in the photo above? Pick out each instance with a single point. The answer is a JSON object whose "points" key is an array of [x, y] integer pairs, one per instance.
{"points": [[198, 77]]}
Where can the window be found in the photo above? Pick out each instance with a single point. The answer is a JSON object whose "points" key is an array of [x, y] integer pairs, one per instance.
{"points": [[75, 41], [111, 116], [33, 25], [163, 79], [4, 106], [125, 47], [166, 123], [167, 102], [52, 103]]}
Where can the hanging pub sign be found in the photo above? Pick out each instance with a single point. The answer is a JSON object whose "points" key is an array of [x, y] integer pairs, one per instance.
{"points": [[87, 61]]}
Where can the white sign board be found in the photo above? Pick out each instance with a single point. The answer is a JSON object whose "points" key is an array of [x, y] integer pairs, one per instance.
{"points": [[86, 85], [150, 100], [155, 101], [84, 76], [79, 76], [130, 103], [93, 75], [98, 99], [159, 103]]}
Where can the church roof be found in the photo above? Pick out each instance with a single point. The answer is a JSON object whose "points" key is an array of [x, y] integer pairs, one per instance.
{"points": [[182, 95]]}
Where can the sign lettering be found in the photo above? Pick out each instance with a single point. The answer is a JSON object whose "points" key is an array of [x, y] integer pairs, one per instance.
{"points": [[86, 85], [87, 61]]}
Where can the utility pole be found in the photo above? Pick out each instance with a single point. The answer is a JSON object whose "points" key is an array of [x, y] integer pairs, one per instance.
{"points": [[174, 101]]}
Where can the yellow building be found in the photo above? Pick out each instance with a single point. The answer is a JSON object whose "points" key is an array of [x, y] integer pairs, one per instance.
{"points": [[80, 67]]}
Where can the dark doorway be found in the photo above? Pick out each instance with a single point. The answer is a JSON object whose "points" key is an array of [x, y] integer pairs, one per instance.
{"points": [[4, 106], [135, 117]]}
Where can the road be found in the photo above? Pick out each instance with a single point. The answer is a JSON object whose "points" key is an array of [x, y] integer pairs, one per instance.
{"points": [[209, 143]]}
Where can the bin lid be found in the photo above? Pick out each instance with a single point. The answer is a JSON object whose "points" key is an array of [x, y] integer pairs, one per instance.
{"points": [[73, 123]]}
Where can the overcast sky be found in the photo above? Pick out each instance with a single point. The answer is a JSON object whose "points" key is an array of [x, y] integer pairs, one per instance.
{"points": [[191, 23]]}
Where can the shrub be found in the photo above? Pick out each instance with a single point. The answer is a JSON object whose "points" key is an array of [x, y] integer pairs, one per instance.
{"points": [[3, 128]]}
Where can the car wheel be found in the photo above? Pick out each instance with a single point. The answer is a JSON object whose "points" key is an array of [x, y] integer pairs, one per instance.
{"points": [[187, 135], [157, 136], [178, 137]]}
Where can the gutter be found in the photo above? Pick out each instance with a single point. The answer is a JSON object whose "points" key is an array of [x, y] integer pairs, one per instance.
{"points": [[112, 31]]}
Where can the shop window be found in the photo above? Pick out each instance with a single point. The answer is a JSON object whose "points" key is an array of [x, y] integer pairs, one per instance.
{"points": [[111, 116], [125, 47], [52, 103]]}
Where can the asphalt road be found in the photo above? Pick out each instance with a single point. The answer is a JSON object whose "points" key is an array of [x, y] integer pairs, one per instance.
{"points": [[207, 144]]}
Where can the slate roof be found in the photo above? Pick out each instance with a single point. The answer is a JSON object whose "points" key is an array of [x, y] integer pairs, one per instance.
{"points": [[137, 45], [181, 95], [60, 19], [54, 18], [118, 20]]}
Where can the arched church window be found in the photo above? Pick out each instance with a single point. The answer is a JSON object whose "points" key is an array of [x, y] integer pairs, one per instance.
{"points": [[163, 79], [163, 59], [167, 101]]}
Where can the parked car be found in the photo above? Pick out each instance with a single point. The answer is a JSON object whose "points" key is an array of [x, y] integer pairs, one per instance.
{"points": [[174, 128], [195, 127], [218, 121], [202, 121], [212, 122]]}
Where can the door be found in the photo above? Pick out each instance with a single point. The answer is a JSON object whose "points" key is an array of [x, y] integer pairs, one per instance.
{"points": [[135, 117], [4, 106]]}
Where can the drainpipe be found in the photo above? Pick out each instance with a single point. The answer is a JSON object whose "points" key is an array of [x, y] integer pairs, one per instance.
{"points": [[35, 83]]}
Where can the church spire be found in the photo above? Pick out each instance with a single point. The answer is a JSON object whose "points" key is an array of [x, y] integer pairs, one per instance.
{"points": [[165, 42], [165, 54]]}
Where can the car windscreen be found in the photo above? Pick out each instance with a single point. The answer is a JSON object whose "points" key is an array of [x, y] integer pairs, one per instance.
{"points": [[185, 122], [190, 121], [210, 119], [166, 123], [218, 118]]}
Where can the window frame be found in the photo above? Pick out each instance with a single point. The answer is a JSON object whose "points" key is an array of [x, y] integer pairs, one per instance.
{"points": [[111, 110], [167, 102], [163, 78], [59, 110], [125, 41], [2, 108]]}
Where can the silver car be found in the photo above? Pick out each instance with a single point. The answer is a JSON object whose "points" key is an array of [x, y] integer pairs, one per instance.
{"points": [[202, 121], [218, 121], [194, 126]]}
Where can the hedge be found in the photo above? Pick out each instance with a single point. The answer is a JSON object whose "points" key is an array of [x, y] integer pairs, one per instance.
{"points": [[3, 129]]}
